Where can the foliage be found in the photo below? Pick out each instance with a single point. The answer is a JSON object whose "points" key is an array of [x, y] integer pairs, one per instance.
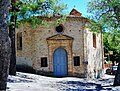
{"points": [[111, 42], [106, 18], [107, 13], [29, 9]]}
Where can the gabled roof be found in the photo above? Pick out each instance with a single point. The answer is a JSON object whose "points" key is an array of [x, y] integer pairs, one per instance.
{"points": [[60, 37], [74, 12]]}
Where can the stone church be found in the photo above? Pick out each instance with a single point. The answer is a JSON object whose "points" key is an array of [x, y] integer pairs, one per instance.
{"points": [[68, 49]]}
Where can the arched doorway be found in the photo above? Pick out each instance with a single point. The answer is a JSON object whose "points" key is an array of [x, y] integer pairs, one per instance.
{"points": [[60, 63]]}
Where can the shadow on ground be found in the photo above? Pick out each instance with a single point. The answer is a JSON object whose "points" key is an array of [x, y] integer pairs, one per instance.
{"points": [[19, 81], [83, 86], [20, 78]]}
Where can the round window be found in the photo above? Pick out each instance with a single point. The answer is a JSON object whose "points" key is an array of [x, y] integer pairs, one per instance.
{"points": [[59, 28]]}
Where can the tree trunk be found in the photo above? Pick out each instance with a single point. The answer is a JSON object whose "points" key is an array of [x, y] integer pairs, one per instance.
{"points": [[13, 18], [4, 44], [12, 69], [117, 76]]}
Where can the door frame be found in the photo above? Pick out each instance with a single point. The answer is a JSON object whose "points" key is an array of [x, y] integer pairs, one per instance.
{"points": [[60, 41]]}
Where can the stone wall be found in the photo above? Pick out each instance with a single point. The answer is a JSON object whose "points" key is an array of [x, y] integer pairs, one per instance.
{"points": [[35, 46], [93, 55], [74, 28]]}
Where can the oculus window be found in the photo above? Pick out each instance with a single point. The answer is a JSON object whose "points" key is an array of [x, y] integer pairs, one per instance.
{"points": [[59, 28]]}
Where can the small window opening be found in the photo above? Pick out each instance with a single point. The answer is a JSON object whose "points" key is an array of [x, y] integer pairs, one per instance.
{"points": [[59, 28], [44, 62], [19, 41], [94, 40], [20, 38], [76, 61]]}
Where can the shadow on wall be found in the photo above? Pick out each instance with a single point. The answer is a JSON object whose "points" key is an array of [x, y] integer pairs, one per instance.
{"points": [[25, 68]]}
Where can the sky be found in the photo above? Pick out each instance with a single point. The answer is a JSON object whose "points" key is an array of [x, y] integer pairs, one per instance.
{"points": [[80, 5]]}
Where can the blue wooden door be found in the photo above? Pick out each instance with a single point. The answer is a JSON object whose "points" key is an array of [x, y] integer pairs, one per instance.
{"points": [[60, 66]]}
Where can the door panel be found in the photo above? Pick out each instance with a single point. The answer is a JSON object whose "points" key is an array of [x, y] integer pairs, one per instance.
{"points": [[60, 66]]}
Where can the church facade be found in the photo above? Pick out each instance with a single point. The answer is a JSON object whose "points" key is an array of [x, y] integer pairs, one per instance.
{"points": [[68, 49]]}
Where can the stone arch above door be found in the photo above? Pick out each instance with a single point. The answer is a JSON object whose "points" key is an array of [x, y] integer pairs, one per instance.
{"points": [[60, 41]]}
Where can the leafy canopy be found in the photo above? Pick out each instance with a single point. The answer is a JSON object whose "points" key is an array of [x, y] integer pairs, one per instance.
{"points": [[106, 13], [27, 10]]}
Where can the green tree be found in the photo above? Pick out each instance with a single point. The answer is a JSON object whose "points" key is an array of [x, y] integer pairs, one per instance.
{"points": [[106, 13], [27, 11], [106, 16], [4, 44], [111, 42]]}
